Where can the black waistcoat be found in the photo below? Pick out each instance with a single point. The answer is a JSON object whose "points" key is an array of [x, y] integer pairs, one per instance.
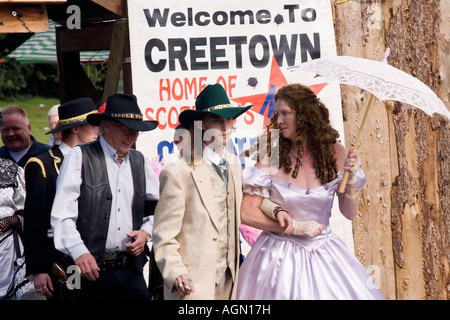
{"points": [[94, 203]]}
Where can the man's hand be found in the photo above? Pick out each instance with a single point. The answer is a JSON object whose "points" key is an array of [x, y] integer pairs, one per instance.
{"points": [[137, 246], [286, 222], [43, 284], [88, 266], [184, 285]]}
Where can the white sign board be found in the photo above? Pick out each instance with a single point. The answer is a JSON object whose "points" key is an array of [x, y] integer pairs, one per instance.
{"points": [[250, 47]]}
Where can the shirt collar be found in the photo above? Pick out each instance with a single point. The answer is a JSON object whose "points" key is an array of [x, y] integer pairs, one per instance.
{"points": [[110, 151], [212, 156], [64, 148]]}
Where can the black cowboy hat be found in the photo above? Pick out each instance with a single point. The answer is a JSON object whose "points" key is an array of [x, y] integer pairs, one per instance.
{"points": [[123, 108], [212, 99], [74, 113]]}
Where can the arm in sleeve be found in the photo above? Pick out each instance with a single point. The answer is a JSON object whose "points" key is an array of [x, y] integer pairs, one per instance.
{"points": [[348, 204], [38, 203], [151, 198], [169, 216], [65, 206]]}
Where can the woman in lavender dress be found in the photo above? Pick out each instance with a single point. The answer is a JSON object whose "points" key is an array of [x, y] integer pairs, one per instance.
{"points": [[298, 256]]}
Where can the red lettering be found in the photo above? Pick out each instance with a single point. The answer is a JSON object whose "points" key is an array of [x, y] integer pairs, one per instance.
{"points": [[181, 88], [177, 84], [190, 87], [228, 85], [173, 113], [158, 112], [231, 85], [221, 80], [202, 84], [147, 114], [249, 118], [163, 88]]}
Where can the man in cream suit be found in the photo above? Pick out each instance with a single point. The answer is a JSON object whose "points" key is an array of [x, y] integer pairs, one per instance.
{"points": [[196, 227]]}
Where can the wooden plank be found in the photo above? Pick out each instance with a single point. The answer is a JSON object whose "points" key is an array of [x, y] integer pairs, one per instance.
{"points": [[372, 225], [73, 81], [115, 58], [118, 7], [126, 68], [420, 155], [34, 18], [85, 39]]}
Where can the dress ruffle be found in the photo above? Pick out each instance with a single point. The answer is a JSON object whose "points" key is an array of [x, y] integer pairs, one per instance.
{"points": [[256, 181], [280, 268]]}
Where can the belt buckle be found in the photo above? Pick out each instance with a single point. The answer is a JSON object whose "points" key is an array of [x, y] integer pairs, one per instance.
{"points": [[110, 260], [109, 255]]}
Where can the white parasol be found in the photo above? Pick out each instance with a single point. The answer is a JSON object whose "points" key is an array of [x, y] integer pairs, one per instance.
{"points": [[379, 78]]}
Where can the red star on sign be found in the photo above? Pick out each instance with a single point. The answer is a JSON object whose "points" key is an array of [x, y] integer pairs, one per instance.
{"points": [[263, 103]]}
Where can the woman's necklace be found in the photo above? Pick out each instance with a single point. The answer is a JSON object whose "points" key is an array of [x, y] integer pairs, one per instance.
{"points": [[301, 161]]}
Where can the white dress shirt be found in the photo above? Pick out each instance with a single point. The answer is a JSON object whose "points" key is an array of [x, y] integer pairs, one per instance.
{"points": [[65, 207], [64, 148], [211, 156]]}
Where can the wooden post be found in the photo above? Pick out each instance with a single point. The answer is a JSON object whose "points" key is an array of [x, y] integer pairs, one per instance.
{"points": [[74, 82], [404, 219], [116, 54]]}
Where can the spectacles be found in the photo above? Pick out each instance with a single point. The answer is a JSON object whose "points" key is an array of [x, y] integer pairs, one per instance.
{"points": [[52, 125], [126, 131]]}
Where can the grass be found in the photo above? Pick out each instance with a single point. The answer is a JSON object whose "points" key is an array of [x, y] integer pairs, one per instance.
{"points": [[36, 109]]}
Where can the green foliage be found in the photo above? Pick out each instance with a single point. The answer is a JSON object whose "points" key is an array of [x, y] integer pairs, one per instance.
{"points": [[21, 81], [97, 74]]}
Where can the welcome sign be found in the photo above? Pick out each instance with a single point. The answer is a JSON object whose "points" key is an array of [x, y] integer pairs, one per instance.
{"points": [[249, 47]]}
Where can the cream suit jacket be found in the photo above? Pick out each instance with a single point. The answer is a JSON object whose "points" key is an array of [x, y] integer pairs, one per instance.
{"points": [[185, 231]]}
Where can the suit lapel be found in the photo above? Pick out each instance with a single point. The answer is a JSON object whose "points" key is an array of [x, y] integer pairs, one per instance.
{"points": [[202, 179]]}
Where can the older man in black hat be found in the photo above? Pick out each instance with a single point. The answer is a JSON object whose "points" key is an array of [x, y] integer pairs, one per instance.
{"points": [[104, 196], [41, 173]]}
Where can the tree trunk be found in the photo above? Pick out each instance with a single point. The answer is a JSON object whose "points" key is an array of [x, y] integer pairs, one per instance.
{"points": [[402, 230]]}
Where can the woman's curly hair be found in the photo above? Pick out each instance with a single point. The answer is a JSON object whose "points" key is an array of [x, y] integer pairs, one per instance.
{"points": [[313, 124]]}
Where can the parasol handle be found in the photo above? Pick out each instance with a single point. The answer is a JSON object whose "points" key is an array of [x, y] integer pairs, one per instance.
{"points": [[344, 180]]}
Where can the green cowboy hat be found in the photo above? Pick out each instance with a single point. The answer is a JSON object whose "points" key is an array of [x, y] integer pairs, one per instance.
{"points": [[212, 99]]}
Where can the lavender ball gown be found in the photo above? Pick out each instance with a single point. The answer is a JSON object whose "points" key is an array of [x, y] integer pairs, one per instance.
{"points": [[298, 267]]}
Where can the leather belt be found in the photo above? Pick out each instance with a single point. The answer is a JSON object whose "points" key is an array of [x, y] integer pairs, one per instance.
{"points": [[113, 260]]}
